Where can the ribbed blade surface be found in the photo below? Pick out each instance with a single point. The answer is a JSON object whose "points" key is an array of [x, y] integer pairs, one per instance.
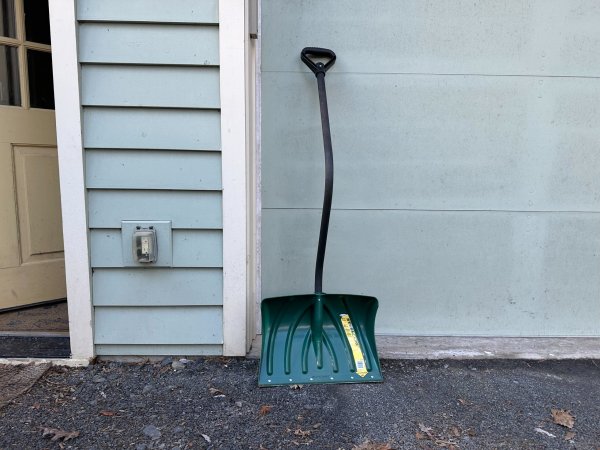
{"points": [[288, 354]]}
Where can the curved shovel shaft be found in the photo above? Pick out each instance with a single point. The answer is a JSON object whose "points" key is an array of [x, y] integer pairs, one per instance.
{"points": [[327, 197], [319, 69]]}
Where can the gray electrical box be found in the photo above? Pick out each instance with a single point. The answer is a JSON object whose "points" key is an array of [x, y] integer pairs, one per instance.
{"points": [[141, 240], [145, 249]]}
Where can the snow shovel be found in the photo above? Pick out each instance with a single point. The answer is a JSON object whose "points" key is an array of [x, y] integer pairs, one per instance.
{"points": [[319, 338]]}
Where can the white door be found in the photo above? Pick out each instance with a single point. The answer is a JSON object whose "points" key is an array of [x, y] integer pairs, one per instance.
{"points": [[31, 245]]}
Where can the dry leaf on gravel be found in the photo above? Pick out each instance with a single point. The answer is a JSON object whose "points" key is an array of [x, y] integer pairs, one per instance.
{"points": [[421, 436], [206, 438], [216, 393], [56, 434], [563, 417], [265, 409], [296, 386], [302, 433], [373, 446], [569, 435], [427, 433], [108, 413]]}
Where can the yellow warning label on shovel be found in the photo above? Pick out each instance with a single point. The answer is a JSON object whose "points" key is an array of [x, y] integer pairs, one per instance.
{"points": [[359, 359]]}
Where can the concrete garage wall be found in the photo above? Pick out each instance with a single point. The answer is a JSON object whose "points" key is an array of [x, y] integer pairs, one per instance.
{"points": [[466, 139], [151, 132]]}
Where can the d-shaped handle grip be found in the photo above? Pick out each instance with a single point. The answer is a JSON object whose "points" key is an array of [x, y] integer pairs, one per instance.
{"points": [[316, 52]]}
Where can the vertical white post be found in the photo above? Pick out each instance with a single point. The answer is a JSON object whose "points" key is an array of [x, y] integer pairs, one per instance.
{"points": [[253, 166], [232, 36], [258, 175], [63, 26]]}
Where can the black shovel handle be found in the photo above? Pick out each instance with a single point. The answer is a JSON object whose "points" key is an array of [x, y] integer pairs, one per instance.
{"points": [[317, 52], [319, 69]]}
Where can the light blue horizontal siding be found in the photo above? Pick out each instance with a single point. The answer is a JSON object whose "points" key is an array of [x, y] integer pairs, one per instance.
{"points": [[191, 248], [159, 325], [159, 350], [184, 11], [186, 209], [160, 86], [538, 37], [157, 287], [423, 142], [150, 94], [454, 124], [162, 129], [148, 44], [447, 273], [199, 247], [141, 169]]}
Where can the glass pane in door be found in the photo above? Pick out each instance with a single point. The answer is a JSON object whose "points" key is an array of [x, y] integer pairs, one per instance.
{"points": [[39, 67], [37, 21], [7, 19], [10, 90]]}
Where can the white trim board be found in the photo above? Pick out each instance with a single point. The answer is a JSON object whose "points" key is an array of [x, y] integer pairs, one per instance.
{"points": [[442, 347], [257, 268], [252, 191], [63, 28], [232, 56]]}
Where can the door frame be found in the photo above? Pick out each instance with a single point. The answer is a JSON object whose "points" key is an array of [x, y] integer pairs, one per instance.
{"points": [[65, 68]]}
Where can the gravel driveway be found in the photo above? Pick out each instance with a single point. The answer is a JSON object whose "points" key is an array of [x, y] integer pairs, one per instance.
{"points": [[215, 403]]}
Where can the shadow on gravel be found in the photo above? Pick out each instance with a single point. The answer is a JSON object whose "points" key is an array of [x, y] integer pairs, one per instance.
{"points": [[215, 403]]}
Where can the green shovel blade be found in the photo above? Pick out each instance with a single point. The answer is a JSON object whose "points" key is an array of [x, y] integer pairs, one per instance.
{"points": [[319, 338]]}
